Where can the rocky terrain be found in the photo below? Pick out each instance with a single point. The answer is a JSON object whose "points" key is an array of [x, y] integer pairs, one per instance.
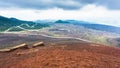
{"points": [[61, 53]]}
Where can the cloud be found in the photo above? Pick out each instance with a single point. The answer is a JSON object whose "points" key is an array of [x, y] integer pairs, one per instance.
{"points": [[41, 4], [111, 4], [90, 13], [64, 4]]}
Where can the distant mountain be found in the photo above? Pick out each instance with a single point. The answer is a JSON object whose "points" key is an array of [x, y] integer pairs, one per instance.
{"points": [[61, 21], [89, 25], [12, 23], [101, 27], [44, 21]]}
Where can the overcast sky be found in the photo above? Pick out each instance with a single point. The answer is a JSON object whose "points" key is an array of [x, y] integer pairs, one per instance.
{"points": [[97, 11]]}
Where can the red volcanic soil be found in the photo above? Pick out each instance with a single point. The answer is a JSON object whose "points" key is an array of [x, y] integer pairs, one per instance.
{"points": [[71, 55]]}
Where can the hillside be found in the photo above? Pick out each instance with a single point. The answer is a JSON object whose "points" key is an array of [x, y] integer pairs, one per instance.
{"points": [[12, 24], [80, 32], [63, 22], [89, 25], [62, 54], [98, 33]]}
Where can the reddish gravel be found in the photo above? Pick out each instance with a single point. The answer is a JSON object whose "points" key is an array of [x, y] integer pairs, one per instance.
{"points": [[71, 55]]}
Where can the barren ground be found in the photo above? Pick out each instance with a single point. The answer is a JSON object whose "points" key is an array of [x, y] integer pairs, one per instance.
{"points": [[63, 54]]}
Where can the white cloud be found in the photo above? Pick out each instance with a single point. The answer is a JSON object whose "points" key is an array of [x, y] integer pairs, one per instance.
{"points": [[91, 13]]}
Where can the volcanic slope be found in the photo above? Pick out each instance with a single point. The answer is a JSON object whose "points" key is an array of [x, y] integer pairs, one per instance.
{"points": [[63, 54]]}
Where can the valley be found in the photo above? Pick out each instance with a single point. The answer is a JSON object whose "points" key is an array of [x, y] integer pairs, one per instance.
{"points": [[96, 33]]}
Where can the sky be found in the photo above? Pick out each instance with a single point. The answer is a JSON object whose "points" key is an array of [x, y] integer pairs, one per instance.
{"points": [[97, 11]]}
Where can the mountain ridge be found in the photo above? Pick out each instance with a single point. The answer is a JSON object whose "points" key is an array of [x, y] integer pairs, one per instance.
{"points": [[6, 23], [90, 25]]}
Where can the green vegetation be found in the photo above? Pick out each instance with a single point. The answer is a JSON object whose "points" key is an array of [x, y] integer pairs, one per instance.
{"points": [[63, 22], [99, 39], [6, 23], [16, 29]]}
